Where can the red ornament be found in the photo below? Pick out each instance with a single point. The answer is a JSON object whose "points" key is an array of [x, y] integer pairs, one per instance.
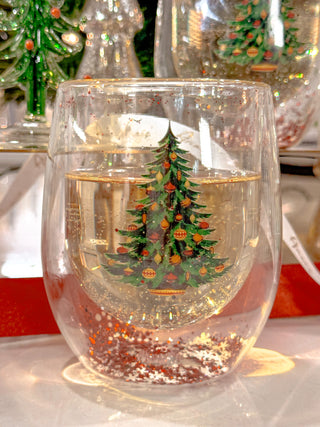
{"points": [[250, 36], [128, 271], [188, 252], [166, 165], [204, 225], [219, 268], [169, 188], [145, 252], [139, 207], [132, 227], [257, 23], [29, 45], [290, 15], [170, 277], [149, 189], [55, 12], [245, 2], [240, 18], [237, 52], [268, 54], [232, 36], [154, 237], [87, 77], [180, 234], [122, 250], [179, 217]]}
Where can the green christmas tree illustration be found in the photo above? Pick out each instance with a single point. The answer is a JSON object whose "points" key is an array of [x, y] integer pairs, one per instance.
{"points": [[34, 49], [251, 39], [166, 247]]}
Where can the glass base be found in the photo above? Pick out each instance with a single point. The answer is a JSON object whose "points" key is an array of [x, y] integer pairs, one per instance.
{"points": [[163, 395], [26, 136]]}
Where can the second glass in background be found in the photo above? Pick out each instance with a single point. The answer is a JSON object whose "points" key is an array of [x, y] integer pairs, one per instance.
{"points": [[275, 42]]}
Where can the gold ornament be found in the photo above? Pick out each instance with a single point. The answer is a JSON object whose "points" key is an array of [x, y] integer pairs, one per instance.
{"points": [[197, 237], [157, 258], [175, 259], [149, 189], [223, 47], [173, 156], [287, 25], [187, 184], [164, 224], [179, 175], [237, 52], [186, 202], [159, 177], [203, 271], [252, 52], [259, 39], [180, 234], [192, 218], [154, 206], [263, 14], [290, 50], [149, 273]]}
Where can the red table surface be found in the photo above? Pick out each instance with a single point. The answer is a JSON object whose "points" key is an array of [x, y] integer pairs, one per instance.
{"points": [[24, 307]]}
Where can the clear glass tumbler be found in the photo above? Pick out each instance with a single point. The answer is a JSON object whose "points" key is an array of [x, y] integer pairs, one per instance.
{"points": [[161, 225]]}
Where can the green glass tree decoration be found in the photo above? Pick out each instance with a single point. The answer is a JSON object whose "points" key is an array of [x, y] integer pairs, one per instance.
{"points": [[252, 39], [166, 246], [40, 37]]}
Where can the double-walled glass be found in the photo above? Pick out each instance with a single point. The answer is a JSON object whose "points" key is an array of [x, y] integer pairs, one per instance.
{"points": [[161, 225]]}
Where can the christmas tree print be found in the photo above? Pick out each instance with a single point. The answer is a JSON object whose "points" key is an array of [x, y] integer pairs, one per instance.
{"points": [[35, 48], [166, 247], [251, 38]]}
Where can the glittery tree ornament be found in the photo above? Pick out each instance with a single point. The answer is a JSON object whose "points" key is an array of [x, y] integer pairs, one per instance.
{"points": [[251, 40], [38, 41], [170, 249], [36, 47], [110, 28]]}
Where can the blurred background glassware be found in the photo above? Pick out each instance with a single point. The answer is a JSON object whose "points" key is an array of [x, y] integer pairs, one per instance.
{"points": [[276, 42], [110, 28], [149, 284]]}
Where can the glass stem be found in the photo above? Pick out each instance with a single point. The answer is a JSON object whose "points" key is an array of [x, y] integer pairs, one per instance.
{"points": [[35, 93]]}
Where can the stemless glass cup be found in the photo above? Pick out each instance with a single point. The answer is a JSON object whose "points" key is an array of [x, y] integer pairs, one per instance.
{"points": [[161, 225], [275, 42]]}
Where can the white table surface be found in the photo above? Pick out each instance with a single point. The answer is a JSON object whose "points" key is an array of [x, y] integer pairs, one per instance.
{"points": [[278, 384]]}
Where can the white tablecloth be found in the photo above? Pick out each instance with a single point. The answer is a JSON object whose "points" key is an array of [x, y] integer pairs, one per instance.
{"points": [[278, 384]]}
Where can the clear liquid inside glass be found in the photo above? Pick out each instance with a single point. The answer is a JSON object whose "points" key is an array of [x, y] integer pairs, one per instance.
{"points": [[187, 335]]}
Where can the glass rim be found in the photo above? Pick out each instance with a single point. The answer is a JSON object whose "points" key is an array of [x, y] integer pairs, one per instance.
{"points": [[159, 82]]}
